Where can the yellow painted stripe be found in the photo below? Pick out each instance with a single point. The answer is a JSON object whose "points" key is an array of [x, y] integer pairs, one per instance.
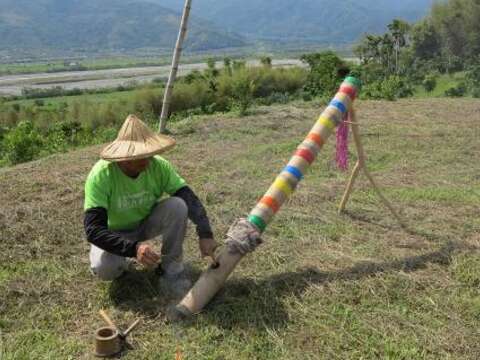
{"points": [[326, 122], [283, 186]]}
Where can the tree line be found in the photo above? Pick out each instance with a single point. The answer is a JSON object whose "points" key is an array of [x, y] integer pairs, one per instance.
{"points": [[444, 42]]}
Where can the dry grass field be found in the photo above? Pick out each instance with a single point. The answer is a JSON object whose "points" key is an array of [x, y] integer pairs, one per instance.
{"points": [[322, 286]]}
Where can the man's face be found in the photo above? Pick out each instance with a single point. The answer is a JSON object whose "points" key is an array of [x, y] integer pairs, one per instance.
{"points": [[134, 167]]}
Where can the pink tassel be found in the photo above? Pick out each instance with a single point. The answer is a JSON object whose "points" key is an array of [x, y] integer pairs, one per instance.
{"points": [[342, 144]]}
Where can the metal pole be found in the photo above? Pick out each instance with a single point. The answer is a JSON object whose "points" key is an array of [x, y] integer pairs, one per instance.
{"points": [[173, 72]]}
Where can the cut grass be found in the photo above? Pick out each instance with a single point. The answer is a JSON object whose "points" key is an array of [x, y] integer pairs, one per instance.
{"points": [[322, 286]]}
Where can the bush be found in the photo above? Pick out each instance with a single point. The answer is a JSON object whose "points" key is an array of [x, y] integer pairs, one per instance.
{"points": [[112, 115], [227, 66], [268, 81], [324, 78], [191, 77], [103, 135], [23, 143], [429, 83], [30, 93], [9, 118], [3, 132], [472, 78], [238, 65], [278, 98], [456, 91], [242, 90], [390, 88], [289, 81], [190, 96], [266, 61], [148, 101], [56, 140], [373, 90]]}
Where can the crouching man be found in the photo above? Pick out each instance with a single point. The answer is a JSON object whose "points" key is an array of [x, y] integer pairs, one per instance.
{"points": [[123, 207]]}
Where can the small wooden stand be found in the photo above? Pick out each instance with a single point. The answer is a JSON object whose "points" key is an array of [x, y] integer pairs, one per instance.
{"points": [[361, 165]]}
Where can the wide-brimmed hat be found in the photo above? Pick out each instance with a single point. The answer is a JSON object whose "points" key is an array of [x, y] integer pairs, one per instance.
{"points": [[136, 141]]}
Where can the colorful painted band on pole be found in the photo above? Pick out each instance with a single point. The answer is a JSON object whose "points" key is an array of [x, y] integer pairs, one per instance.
{"points": [[306, 153]]}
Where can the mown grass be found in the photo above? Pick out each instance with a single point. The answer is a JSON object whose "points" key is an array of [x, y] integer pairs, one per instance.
{"points": [[322, 286]]}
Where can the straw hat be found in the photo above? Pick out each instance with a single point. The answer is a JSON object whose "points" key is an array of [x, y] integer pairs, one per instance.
{"points": [[136, 141]]}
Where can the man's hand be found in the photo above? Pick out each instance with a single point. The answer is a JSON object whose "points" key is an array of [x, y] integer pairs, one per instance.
{"points": [[147, 256], [207, 247]]}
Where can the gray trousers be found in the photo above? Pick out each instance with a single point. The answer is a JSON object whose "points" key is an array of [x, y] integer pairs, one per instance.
{"points": [[169, 219]]}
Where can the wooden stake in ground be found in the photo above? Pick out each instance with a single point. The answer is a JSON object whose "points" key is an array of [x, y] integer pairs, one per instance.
{"points": [[173, 72], [361, 166]]}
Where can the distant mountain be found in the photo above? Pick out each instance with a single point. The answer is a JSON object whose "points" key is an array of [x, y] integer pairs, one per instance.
{"points": [[326, 21], [94, 25], [128, 25]]}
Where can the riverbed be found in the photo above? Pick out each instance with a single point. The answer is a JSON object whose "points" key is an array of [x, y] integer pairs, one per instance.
{"points": [[97, 79]]}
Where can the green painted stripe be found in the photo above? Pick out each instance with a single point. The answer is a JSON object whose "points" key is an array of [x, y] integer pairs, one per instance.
{"points": [[354, 81], [258, 222]]}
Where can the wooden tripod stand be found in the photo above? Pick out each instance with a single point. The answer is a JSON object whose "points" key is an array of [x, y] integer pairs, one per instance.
{"points": [[361, 165]]}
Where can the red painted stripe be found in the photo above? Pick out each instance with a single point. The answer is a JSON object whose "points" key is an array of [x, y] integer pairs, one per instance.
{"points": [[317, 139], [349, 90], [306, 154], [270, 202]]}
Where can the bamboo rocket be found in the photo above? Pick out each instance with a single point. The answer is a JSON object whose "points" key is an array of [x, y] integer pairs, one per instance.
{"points": [[306, 153], [282, 188]]}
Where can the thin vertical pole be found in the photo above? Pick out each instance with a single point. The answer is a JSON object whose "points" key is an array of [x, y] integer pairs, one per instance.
{"points": [[173, 72], [363, 166]]}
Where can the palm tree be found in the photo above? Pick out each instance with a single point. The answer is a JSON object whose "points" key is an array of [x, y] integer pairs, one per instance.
{"points": [[398, 32]]}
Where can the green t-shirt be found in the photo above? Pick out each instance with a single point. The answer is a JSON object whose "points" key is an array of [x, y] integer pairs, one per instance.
{"points": [[128, 201]]}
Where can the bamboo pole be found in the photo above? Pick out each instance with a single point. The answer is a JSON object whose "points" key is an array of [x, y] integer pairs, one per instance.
{"points": [[173, 72], [361, 165], [348, 190]]}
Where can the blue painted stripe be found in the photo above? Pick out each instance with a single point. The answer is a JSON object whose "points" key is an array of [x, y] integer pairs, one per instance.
{"points": [[294, 171], [339, 105]]}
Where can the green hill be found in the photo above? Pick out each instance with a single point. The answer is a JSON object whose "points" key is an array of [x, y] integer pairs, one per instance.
{"points": [[328, 21], [91, 26]]}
